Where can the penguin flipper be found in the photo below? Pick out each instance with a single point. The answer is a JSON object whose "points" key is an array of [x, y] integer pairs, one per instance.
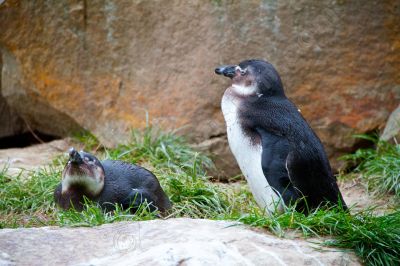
{"points": [[315, 191], [136, 198], [275, 150]]}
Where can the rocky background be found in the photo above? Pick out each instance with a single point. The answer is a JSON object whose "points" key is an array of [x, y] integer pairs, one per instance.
{"points": [[109, 66]]}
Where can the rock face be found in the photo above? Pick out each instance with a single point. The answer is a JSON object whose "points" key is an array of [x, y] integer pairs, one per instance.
{"points": [[106, 65], [11, 124], [158, 242]]}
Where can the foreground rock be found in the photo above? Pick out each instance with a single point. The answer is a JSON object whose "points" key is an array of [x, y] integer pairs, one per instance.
{"points": [[103, 66], [161, 242]]}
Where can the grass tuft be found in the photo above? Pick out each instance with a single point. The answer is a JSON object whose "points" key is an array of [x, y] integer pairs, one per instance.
{"points": [[27, 201], [93, 215], [89, 140], [379, 167], [161, 150]]}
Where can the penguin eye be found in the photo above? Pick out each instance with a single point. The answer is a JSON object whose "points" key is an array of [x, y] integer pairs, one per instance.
{"points": [[240, 70], [89, 160]]}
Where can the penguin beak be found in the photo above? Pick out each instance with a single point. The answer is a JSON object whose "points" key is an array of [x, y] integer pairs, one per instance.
{"points": [[74, 156], [228, 70]]}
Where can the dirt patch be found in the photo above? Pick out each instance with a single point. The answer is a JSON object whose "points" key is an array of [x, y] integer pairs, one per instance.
{"points": [[357, 196]]}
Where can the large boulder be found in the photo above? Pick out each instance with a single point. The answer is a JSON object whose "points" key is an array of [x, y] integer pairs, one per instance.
{"points": [[10, 122], [106, 66], [162, 242], [21, 96]]}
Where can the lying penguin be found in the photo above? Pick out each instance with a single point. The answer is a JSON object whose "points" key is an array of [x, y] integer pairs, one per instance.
{"points": [[277, 151], [108, 182]]}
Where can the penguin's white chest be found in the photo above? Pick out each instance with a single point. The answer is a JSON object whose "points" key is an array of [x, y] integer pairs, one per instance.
{"points": [[248, 155]]}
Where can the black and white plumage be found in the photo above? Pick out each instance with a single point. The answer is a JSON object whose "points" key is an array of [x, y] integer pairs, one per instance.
{"points": [[277, 151], [108, 183]]}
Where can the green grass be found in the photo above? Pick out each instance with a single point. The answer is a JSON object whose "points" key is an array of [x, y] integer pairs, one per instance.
{"points": [[93, 215], [28, 201], [375, 239], [380, 167], [181, 170]]}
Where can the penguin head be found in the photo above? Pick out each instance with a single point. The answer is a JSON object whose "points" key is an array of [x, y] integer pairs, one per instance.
{"points": [[253, 77], [83, 170]]}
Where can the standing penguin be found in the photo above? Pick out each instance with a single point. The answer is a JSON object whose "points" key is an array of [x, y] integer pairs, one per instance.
{"points": [[277, 151], [108, 183]]}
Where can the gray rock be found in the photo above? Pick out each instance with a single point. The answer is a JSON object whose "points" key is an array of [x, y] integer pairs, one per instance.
{"points": [[33, 157], [162, 242], [392, 128]]}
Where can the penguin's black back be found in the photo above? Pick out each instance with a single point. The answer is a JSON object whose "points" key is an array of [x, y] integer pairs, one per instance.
{"points": [[125, 183], [307, 163]]}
